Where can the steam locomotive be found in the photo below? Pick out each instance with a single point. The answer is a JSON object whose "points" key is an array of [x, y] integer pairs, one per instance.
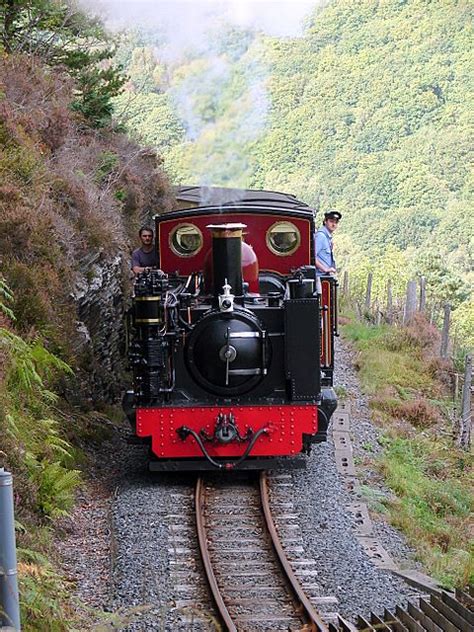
{"points": [[231, 340]]}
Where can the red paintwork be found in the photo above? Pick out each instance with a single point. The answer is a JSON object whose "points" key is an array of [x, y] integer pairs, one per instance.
{"points": [[250, 267], [254, 234], [326, 315], [286, 425]]}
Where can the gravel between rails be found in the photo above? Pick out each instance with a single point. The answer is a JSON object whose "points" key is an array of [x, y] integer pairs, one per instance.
{"points": [[133, 552]]}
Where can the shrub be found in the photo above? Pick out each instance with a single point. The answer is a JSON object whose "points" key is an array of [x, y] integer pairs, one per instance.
{"points": [[417, 336], [417, 412]]}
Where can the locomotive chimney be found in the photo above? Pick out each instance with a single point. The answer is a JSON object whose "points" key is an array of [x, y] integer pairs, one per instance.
{"points": [[227, 257]]}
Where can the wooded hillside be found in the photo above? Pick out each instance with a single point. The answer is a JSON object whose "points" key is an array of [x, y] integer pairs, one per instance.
{"points": [[368, 112]]}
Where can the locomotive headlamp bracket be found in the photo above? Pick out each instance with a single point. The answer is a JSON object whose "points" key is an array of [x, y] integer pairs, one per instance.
{"points": [[226, 431], [226, 300]]}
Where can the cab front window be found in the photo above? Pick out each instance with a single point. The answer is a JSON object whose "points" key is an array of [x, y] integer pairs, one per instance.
{"points": [[186, 240], [283, 238]]}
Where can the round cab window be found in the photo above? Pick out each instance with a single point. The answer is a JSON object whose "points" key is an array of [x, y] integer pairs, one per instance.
{"points": [[283, 238], [186, 240]]}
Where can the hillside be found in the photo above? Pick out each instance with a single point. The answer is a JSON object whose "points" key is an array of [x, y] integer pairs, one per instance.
{"points": [[369, 111], [73, 191]]}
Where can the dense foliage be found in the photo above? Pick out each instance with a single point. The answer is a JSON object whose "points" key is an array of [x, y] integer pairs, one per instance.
{"points": [[369, 111], [71, 195], [62, 35], [33, 446]]}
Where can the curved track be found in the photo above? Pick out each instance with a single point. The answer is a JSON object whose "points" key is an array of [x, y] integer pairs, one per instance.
{"points": [[239, 543]]}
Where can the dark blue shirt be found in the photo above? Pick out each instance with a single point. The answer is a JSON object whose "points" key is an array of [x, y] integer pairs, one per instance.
{"points": [[144, 259]]}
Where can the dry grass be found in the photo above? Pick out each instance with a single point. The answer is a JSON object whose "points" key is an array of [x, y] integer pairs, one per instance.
{"points": [[418, 413], [408, 392], [66, 191]]}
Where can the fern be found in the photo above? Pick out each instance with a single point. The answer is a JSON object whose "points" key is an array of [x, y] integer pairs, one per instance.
{"points": [[56, 444], [29, 363], [41, 592], [56, 488], [30, 425], [5, 295], [31, 436]]}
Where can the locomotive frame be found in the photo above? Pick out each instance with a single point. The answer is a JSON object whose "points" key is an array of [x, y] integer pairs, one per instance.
{"points": [[232, 345]]}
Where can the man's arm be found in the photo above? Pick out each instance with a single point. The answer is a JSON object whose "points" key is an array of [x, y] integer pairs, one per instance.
{"points": [[137, 267], [323, 268]]}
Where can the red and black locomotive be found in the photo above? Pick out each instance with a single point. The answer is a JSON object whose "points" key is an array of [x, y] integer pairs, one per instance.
{"points": [[232, 339]]}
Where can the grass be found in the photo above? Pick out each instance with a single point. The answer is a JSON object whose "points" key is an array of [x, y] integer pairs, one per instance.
{"points": [[433, 505], [431, 479], [381, 364]]}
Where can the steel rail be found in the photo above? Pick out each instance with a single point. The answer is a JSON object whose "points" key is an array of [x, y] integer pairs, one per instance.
{"points": [[316, 622], [206, 559]]}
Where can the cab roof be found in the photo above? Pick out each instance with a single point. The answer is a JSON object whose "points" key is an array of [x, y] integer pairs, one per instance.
{"points": [[206, 197]]}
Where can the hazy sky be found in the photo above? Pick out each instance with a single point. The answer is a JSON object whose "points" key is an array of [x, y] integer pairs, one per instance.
{"points": [[182, 18]]}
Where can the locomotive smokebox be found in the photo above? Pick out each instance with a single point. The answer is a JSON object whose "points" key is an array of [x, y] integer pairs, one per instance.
{"points": [[227, 257]]}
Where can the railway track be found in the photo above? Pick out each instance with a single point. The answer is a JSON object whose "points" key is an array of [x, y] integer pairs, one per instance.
{"points": [[254, 584]]}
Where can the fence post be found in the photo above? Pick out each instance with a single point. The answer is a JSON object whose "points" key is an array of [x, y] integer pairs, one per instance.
{"points": [[445, 331], [410, 304], [389, 301], [464, 438], [368, 293], [9, 598], [422, 306], [378, 315]]}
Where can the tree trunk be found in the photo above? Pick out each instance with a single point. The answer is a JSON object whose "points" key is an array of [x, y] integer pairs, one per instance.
{"points": [[389, 302], [368, 293], [11, 13], [411, 302], [422, 306]]}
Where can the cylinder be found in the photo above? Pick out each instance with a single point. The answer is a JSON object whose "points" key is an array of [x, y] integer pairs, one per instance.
{"points": [[9, 599], [227, 257]]}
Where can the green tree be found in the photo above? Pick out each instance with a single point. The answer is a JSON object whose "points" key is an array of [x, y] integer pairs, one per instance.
{"points": [[61, 34]]}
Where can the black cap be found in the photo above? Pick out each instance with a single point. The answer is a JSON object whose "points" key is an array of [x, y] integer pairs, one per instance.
{"points": [[332, 215]]}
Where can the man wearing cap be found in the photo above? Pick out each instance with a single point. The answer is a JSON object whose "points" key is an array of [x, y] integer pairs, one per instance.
{"points": [[325, 262]]}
